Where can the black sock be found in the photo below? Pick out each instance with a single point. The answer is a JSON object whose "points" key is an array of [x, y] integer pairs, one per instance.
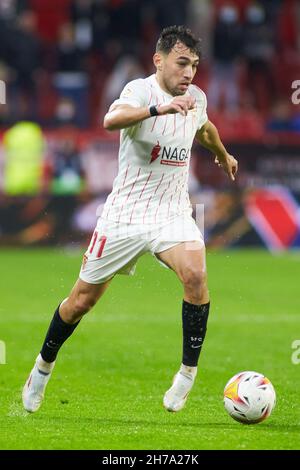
{"points": [[57, 334], [194, 321]]}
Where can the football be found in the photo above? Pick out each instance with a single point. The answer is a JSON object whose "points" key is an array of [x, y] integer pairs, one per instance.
{"points": [[249, 397]]}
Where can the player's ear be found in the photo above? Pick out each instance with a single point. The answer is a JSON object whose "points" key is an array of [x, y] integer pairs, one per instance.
{"points": [[157, 60]]}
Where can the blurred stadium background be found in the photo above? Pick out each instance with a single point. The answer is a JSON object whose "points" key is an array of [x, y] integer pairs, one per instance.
{"points": [[64, 61]]}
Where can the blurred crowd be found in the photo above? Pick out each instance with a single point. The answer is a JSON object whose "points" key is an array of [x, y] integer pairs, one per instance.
{"points": [[65, 61]]}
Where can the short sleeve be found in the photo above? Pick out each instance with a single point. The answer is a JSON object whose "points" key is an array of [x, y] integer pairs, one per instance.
{"points": [[203, 118], [201, 101], [133, 94]]}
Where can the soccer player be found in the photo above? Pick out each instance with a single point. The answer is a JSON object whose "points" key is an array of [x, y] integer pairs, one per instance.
{"points": [[148, 209]]}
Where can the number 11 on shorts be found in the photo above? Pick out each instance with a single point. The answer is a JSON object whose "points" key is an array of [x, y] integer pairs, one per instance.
{"points": [[94, 243]]}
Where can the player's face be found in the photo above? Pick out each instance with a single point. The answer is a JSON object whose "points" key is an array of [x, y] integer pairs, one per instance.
{"points": [[177, 69]]}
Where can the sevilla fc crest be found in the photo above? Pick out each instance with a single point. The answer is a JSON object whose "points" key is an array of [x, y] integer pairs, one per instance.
{"points": [[155, 152]]}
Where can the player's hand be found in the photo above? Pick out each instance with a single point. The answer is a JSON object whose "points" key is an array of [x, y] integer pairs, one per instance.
{"points": [[179, 104], [229, 165]]}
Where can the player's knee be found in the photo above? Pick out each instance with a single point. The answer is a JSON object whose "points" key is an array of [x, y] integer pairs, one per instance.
{"points": [[194, 277], [83, 304]]}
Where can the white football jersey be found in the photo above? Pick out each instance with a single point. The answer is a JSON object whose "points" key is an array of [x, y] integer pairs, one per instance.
{"points": [[152, 183]]}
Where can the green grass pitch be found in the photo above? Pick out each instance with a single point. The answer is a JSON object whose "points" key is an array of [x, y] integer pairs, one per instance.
{"points": [[107, 387]]}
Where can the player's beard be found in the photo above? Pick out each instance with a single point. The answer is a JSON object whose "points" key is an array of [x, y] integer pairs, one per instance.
{"points": [[173, 90], [176, 92]]}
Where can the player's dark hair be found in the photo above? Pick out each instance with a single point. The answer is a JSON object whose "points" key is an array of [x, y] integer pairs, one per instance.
{"points": [[169, 37]]}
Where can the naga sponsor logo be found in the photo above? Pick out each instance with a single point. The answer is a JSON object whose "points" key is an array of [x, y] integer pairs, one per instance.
{"points": [[170, 155]]}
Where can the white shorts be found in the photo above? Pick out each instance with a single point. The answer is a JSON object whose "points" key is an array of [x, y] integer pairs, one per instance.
{"points": [[115, 248]]}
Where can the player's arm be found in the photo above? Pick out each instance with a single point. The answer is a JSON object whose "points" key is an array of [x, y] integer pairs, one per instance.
{"points": [[120, 116], [123, 115], [208, 136]]}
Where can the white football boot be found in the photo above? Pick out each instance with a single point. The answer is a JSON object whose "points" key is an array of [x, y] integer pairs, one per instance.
{"points": [[34, 388], [176, 396]]}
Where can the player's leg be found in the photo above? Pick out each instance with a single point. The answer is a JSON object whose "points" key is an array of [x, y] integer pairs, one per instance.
{"points": [[188, 261], [111, 251], [68, 315], [66, 318], [82, 298]]}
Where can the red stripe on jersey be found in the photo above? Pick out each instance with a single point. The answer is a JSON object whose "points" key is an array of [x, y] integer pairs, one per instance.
{"points": [[151, 195], [128, 195], [125, 175], [122, 186], [115, 197], [161, 200], [133, 184], [171, 197], [179, 183], [133, 210], [165, 124], [148, 202], [182, 186], [162, 177], [166, 116], [154, 123], [145, 184], [147, 208], [140, 195], [159, 183]]}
